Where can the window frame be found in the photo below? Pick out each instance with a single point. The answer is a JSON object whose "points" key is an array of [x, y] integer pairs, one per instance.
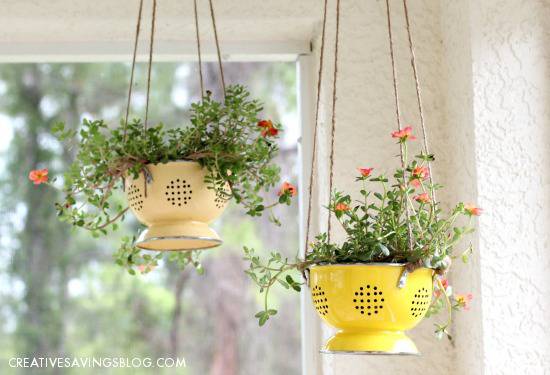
{"points": [[172, 51], [311, 326]]}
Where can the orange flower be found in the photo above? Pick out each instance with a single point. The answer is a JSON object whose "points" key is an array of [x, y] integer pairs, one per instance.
{"points": [[422, 198], [365, 172], [418, 175], [39, 176], [341, 207], [464, 300], [287, 187], [472, 210], [404, 134], [268, 129]]}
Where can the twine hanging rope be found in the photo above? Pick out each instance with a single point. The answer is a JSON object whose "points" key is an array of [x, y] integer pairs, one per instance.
{"points": [[138, 27], [218, 49], [133, 69], [213, 17], [197, 32], [419, 100], [398, 118], [395, 87], [314, 151], [132, 76], [150, 60], [150, 65], [333, 120]]}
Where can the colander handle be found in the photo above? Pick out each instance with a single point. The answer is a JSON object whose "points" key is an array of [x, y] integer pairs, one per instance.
{"points": [[403, 279], [305, 275], [148, 175]]}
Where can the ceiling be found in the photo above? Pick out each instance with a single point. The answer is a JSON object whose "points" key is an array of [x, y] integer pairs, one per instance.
{"points": [[34, 27]]}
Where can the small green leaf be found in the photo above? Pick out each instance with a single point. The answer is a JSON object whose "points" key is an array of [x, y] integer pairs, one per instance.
{"points": [[284, 284], [263, 319]]}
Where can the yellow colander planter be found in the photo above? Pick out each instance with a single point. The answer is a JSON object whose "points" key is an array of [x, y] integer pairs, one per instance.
{"points": [[364, 303], [177, 207]]}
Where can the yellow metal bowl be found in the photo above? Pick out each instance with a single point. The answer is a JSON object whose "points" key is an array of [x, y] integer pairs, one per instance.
{"points": [[364, 302], [176, 206]]}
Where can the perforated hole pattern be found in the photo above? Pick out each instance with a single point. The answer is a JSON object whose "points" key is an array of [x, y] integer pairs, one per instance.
{"points": [[178, 192], [135, 198], [320, 301], [420, 302], [368, 300], [221, 199]]}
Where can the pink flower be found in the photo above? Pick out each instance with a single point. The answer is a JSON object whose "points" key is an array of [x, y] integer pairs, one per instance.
{"points": [[421, 172], [39, 176], [463, 300], [144, 268], [404, 134], [287, 187], [341, 207], [365, 172], [418, 175], [422, 198], [472, 210]]}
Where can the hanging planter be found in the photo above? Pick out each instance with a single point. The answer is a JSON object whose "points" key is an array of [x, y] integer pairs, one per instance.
{"points": [[176, 181], [388, 273], [176, 205], [377, 283], [366, 305]]}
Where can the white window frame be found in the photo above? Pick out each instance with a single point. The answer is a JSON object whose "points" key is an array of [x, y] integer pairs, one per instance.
{"points": [[167, 51], [311, 326], [171, 51]]}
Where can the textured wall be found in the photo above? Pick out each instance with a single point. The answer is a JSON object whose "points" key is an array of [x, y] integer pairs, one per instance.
{"points": [[511, 85], [484, 68]]}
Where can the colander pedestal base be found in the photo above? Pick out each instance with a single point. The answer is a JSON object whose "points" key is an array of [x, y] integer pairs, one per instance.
{"points": [[370, 342], [178, 236]]}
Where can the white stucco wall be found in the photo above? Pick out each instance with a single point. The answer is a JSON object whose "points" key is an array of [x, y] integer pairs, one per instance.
{"points": [[484, 68], [511, 86], [496, 68]]}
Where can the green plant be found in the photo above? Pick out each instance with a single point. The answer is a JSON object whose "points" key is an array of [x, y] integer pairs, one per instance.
{"points": [[394, 221], [227, 138]]}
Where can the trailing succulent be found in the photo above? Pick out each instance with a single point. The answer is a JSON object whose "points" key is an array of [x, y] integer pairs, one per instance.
{"points": [[394, 220], [227, 138]]}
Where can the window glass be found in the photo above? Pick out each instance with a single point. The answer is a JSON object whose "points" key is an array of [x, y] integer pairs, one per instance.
{"points": [[61, 293]]}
